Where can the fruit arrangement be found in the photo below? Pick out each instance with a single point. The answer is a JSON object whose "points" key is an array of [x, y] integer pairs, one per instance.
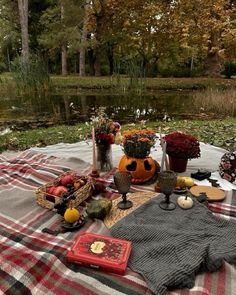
{"points": [[67, 186]]}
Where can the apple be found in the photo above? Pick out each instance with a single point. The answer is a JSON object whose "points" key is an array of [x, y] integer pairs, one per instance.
{"points": [[50, 190], [77, 184], [66, 179], [59, 190]]}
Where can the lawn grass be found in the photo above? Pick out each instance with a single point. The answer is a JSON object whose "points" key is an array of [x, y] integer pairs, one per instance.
{"points": [[121, 83], [220, 133]]}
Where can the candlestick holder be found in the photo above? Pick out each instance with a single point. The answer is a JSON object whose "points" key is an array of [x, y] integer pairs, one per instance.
{"points": [[167, 183], [122, 181], [94, 174]]}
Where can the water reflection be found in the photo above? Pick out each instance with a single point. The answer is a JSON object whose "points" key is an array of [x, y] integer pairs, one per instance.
{"points": [[79, 108]]}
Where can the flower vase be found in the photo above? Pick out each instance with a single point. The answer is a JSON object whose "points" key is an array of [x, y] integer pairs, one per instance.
{"points": [[177, 164], [104, 157]]}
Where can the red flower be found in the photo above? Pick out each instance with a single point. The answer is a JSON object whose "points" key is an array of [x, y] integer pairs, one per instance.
{"points": [[181, 145]]}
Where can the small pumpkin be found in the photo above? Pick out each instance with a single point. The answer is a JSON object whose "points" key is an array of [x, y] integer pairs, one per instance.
{"points": [[71, 215], [185, 202], [99, 208], [141, 169]]}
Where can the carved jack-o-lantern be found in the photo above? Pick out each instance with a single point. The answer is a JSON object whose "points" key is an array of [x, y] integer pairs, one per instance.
{"points": [[141, 169]]}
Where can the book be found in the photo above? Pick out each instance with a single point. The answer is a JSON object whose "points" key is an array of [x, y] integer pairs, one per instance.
{"points": [[100, 252]]}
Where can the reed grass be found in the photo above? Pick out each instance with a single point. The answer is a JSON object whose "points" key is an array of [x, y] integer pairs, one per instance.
{"points": [[219, 102], [134, 81], [31, 76]]}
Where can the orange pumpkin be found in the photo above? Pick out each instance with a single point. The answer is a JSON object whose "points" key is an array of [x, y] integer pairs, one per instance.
{"points": [[141, 170]]}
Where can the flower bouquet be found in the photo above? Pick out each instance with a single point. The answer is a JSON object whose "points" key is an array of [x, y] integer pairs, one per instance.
{"points": [[180, 147], [105, 132], [138, 143]]}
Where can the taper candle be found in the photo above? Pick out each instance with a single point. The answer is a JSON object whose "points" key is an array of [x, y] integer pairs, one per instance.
{"points": [[94, 150], [160, 135], [163, 156], [94, 172]]}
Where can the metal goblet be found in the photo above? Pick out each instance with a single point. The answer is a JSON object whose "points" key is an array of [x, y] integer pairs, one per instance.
{"points": [[167, 182], [122, 181]]}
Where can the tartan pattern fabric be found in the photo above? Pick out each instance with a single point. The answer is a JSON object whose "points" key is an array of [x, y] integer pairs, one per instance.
{"points": [[33, 262]]}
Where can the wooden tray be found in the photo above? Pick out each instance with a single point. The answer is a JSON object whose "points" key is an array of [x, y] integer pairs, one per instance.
{"points": [[213, 193]]}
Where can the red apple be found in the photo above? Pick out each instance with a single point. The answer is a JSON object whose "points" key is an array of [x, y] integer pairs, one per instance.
{"points": [[59, 190], [66, 179], [50, 190]]}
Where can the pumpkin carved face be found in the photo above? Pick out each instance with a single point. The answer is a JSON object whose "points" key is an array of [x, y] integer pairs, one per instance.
{"points": [[141, 170]]}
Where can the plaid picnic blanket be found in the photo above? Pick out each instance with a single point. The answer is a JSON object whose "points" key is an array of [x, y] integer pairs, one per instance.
{"points": [[33, 262]]}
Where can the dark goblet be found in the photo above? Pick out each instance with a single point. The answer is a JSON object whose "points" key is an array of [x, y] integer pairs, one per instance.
{"points": [[167, 183], [122, 181]]}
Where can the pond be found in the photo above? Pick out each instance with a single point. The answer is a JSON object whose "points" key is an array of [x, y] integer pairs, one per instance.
{"points": [[66, 108]]}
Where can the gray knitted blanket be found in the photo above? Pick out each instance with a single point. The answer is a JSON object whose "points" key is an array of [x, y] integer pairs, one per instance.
{"points": [[171, 247]]}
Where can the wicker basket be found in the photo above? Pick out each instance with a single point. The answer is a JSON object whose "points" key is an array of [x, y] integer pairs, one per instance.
{"points": [[80, 194]]}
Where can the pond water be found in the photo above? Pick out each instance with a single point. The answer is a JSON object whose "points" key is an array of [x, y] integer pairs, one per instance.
{"points": [[79, 108]]}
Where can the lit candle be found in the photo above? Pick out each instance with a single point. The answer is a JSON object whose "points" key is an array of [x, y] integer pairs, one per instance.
{"points": [[163, 155]]}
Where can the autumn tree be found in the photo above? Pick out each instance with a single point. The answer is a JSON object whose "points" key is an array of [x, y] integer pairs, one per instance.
{"points": [[9, 32], [204, 26], [61, 30]]}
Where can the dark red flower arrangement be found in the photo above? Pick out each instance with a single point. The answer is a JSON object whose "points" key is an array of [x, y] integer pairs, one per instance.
{"points": [[105, 134], [105, 128], [181, 145]]}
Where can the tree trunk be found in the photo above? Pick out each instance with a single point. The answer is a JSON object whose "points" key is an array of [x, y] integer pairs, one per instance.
{"points": [[63, 50], [213, 61], [83, 42], [97, 64], [98, 42], [23, 13], [110, 59], [63, 61], [91, 61]]}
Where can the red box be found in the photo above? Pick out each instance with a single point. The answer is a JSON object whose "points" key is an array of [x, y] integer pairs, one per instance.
{"points": [[100, 252]]}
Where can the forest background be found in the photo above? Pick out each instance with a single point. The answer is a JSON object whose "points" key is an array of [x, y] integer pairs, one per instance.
{"points": [[102, 37], [83, 40]]}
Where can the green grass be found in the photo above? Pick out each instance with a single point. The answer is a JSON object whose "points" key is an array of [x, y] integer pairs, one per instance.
{"points": [[77, 82], [121, 83], [220, 133]]}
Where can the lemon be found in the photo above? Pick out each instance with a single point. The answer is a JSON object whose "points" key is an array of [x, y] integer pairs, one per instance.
{"points": [[71, 215]]}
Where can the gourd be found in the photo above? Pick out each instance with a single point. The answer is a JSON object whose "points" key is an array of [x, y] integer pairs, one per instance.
{"points": [[184, 181], [71, 215], [141, 169], [99, 208], [185, 202]]}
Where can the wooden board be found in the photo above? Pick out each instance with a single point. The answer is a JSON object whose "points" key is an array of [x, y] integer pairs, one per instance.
{"points": [[213, 193]]}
